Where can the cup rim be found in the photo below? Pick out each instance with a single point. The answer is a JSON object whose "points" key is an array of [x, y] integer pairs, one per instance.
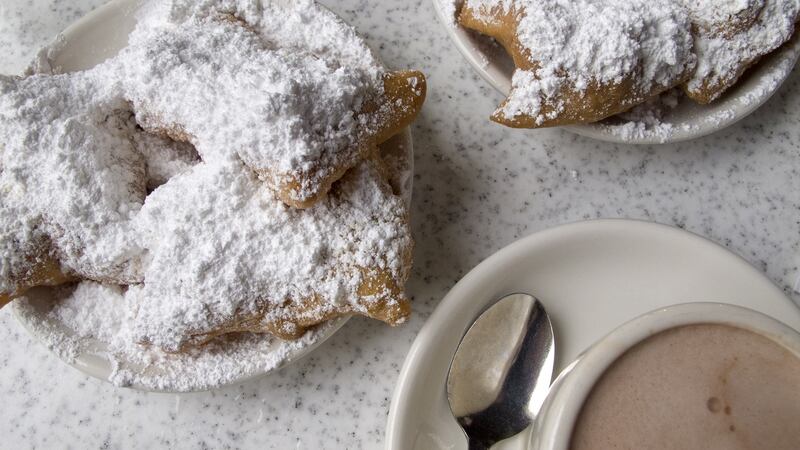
{"points": [[556, 420]]}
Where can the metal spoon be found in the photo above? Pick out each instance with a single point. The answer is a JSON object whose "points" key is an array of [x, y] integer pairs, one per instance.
{"points": [[502, 369]]}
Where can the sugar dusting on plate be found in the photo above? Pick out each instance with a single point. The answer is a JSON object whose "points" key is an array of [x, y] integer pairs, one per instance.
{"points": [[98, 328]]}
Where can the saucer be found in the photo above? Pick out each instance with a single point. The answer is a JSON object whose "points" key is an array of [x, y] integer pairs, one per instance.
{"points": [[91, 40], [688, 120], [591, 277]]}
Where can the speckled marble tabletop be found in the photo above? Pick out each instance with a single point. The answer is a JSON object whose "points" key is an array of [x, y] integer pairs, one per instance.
{"points": [[478, 187]]}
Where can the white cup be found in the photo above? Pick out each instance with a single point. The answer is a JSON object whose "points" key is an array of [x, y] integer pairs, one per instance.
{"points": [[553, 427]]}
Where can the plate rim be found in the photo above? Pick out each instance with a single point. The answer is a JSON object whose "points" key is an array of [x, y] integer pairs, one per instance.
{"points": [[99, 367], [769, 64], [399, 400]]}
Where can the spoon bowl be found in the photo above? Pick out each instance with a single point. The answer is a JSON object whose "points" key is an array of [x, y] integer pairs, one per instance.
{"points": [[501, 371]]}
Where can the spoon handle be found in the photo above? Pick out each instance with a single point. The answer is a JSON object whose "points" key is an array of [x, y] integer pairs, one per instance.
{"points": [[475, 444]]}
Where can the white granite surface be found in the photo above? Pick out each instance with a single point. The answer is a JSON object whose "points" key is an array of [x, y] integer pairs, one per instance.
{"points": [[478, 187]]}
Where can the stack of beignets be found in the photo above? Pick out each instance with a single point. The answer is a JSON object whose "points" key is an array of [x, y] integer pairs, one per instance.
{"points": [[224, 168]]}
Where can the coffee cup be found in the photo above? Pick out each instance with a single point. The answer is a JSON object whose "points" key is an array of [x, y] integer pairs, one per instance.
{"points": [[677, 376]]}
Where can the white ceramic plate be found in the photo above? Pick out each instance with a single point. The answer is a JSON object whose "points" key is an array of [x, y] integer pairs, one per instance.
{"points": [[591, 277], [689, 120], [89, 41]]}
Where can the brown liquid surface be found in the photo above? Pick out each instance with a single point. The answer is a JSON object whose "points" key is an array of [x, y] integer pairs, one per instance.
{"points": [[709, 387]]}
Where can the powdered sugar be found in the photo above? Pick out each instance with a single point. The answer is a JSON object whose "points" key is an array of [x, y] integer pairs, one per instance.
{"points": [[210, 241], [71, 196], [710, 14], [164, 158]]}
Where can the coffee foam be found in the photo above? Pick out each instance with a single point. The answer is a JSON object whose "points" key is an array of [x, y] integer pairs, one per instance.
{"points": [[702, 386]]}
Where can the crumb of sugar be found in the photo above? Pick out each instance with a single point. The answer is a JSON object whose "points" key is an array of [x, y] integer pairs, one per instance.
{"points": [[646, 120], [449, 11]]}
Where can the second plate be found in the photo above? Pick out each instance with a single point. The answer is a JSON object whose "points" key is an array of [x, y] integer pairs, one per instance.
{"points": [[685, 121]]}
